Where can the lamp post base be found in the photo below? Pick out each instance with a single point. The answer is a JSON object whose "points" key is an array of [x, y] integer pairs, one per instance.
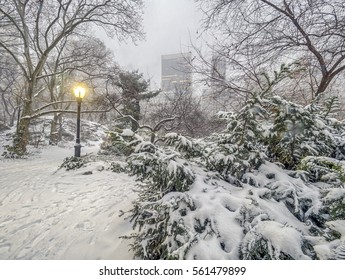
{"points": [[77, 149]]}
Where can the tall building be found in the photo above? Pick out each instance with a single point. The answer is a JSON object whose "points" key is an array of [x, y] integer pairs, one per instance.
{"points": [[176, 72]]}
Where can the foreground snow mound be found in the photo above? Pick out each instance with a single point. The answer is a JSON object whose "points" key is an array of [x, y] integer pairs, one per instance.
{"points": [[279, 218]]}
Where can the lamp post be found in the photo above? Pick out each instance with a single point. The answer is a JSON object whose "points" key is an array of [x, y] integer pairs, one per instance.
{"points": [[79, 93]]}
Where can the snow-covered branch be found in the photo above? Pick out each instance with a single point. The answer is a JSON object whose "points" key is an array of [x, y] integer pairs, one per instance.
{"points": [[43, 113]]}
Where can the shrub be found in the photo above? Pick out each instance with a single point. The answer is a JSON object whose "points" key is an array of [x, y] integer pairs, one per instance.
{"points": [[72, 163]]}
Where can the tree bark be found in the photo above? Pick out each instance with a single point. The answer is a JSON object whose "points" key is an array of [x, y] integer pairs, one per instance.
{"points": [[54, 135], [22, 137]]}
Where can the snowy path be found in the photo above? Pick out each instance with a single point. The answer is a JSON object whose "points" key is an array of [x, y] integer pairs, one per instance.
{"points": [[46, 214]]}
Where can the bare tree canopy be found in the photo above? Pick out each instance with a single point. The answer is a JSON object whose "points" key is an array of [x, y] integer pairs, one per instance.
{"points": [[33, 31], [33, 28], [271, 30]]}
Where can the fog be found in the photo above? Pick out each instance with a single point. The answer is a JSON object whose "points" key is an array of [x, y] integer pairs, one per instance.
{"points": [[170, 26]]}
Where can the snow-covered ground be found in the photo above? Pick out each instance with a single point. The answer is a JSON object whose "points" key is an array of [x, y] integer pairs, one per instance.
{"points": [[51, 213], [47, 212]]}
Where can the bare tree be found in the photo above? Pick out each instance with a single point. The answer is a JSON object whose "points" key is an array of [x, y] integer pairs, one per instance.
{"points": [[10, 87], [83, 59], [185, 112], [262, 33], [32, 29]]}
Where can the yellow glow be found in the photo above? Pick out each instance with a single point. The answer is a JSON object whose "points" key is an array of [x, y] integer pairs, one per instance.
{"points": [[79, 91]]}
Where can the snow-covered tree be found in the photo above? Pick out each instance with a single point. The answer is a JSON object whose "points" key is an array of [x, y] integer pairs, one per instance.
{"points": [[269, 187], [33, 29], [133, 89]]}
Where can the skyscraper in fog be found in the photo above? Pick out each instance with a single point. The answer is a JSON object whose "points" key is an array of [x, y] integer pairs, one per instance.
{"points": [[176, 72]]}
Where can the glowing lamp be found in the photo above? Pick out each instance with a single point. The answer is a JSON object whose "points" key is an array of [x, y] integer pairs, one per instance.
{"points": [[79, 92]]}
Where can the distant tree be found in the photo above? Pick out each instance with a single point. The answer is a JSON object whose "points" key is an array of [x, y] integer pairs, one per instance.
{"points": [[133, 89], [10, 88], [78, 59], [186, 113], [31, 30]]}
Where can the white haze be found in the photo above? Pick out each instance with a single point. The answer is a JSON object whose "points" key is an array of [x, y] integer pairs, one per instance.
{"points": [[170, 27]]}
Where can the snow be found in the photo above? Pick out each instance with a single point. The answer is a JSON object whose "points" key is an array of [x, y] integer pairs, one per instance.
{"points": [[223, 204], [219, 220], [282, 238], [335, 194], [127, 133], [336, 248], [48, 213], [339, 226], [5, 139]]}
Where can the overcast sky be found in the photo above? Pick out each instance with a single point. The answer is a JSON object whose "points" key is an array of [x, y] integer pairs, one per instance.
{"points": [[169, 25]]}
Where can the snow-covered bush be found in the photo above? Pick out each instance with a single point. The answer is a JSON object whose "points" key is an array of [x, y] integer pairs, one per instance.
{"points": [[71, 163], [160, 171], [297, 132], [185, 145], [238, 149], [120, 143], [162, 233], [270, 240], [334, 202], [324, 169], [269, 187], [118, 167], [166, 170], [13, 152]]}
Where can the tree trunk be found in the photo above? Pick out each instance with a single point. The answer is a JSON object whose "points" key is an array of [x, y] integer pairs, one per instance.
{"points": [[54, 133], [13, 117], [21, 139], [60, 128]]}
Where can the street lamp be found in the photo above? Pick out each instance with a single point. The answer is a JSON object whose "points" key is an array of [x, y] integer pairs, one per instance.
{"points": [[79, 93]]}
